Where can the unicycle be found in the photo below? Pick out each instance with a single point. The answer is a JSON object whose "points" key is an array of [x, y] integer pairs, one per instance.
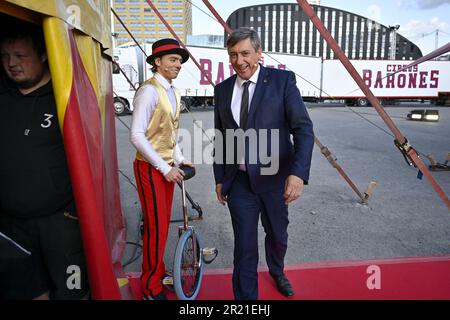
{"points": [[190, 255]]}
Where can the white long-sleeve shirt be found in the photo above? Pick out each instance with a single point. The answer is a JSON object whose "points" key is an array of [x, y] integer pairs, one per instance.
{"points": [[145, 101], [236, 99], [238, 89]]}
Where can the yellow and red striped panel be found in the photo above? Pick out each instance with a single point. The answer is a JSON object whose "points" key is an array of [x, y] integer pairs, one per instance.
{"points": [[82, 85], [81, 77]]}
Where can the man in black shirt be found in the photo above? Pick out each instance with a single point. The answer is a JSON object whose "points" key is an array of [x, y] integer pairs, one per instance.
{"points": [[37, 208]]}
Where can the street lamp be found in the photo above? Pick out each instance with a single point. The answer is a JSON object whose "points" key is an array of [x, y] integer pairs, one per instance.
{"points": [[393, 41]]}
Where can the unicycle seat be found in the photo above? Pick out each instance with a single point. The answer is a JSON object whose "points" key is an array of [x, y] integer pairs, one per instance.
{"points": [[189, 172]]}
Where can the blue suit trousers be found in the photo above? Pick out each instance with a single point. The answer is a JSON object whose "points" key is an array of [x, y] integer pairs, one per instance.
{"points": [[245, 207]]}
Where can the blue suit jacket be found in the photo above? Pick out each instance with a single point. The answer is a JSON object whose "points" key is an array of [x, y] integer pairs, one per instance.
{"points": [[276, 104]]}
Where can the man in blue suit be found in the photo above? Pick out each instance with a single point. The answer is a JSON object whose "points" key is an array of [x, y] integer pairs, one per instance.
{"points": [[259, 100]]}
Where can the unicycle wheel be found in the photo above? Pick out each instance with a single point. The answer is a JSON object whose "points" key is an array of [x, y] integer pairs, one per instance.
{"points": [[188, 266]]}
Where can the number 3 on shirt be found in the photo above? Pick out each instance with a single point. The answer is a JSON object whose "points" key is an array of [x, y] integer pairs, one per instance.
{"points": [[47, 123]]}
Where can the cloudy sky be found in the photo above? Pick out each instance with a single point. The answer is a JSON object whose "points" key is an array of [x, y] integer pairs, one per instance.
{"points": [[418, 19]]}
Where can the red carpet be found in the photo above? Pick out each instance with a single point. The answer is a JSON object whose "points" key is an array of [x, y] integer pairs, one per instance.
{"points": [[402, 278]]}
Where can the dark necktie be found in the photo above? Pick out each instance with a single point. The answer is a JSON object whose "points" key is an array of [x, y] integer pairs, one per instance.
{"points": [[244, 106]]}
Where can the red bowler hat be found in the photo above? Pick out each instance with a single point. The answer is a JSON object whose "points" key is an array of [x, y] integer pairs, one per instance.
{"points": [[167, 46]]}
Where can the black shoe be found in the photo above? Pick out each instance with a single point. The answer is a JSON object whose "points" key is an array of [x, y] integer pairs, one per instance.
{"points": [[159, 296], [283, 285]]}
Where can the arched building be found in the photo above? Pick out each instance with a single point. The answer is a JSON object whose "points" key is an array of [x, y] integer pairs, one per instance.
{"points": [[284, 27]]}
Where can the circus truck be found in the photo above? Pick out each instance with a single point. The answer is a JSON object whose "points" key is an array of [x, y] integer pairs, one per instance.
{"points": [[317, 79]]}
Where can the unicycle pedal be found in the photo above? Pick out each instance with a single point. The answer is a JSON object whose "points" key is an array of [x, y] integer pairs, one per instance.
{"points": [[167, 282], [209, 254]]}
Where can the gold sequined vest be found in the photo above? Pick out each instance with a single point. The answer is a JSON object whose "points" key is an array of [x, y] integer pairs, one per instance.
{"points": [[162, 128]]}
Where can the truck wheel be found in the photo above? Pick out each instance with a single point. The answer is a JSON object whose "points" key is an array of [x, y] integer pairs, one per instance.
{"points": [[362, 102], [119, 106]]}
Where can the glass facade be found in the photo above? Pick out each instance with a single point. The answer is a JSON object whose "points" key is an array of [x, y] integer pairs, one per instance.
{"points": [[286, 28]]}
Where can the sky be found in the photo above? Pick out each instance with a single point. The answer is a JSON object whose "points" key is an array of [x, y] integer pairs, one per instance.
{"points": [[418, 19]]}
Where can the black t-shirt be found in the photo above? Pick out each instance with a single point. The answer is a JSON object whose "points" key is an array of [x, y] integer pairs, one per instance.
{"points": [[34, 178]]}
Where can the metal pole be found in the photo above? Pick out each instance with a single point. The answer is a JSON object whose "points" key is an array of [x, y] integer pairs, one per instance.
{"points": [[402, 143], [218, 17], [185, 212], [332, 160]]}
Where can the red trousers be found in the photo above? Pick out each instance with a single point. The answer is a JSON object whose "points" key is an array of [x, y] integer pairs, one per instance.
{"points": [[156, 195]]}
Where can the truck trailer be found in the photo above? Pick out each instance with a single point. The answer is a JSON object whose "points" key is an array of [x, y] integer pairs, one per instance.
{"points": [[317, 79]]}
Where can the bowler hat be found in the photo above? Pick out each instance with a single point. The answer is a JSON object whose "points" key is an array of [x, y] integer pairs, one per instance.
{"points": [[167, 46]]}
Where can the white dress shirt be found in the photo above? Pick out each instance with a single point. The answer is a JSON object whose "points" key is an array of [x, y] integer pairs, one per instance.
{"points": [[238, 90], [236, 99], [145, 101]]}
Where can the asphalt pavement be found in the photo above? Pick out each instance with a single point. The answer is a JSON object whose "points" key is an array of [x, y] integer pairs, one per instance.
{"points": [[404, 217]]}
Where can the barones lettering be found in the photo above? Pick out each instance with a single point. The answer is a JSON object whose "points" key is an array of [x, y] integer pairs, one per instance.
{"points": [[409, 78], [223, 71]]}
